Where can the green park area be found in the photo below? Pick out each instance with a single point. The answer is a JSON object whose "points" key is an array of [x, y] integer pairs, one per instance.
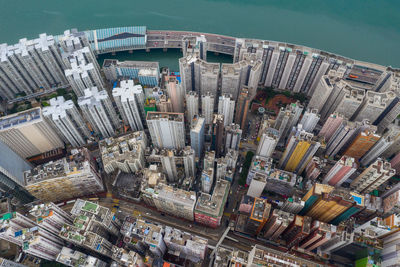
{"points": [[44, 101]]}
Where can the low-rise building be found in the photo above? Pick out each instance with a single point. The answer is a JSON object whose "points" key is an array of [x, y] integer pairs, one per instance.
{"points": [[174, 201], [67, 178], [12, 222], [227, 257], [99, 215], [72, 258], [40, 243], [135, 230], [125, 153], [209, 208], [185, 245], [177, 164], [50, 217], [127, 258], [262, 175]]}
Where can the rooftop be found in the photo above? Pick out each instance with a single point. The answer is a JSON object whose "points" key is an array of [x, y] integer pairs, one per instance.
{"points": [[214, 204], [123, 148], [261, 210], [152, 115], [77, 162], [135, 229], [175, 194], [180, 238], [130, 64], [58, 107], [18, 119]]}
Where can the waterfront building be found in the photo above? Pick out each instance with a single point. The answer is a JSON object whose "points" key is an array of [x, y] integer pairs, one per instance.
{"points": [[309, 120], [66, 119], [82, 75], [325, 86], [233, 78], [197, 135], [130, 102], [166, 129], [14, 80], [28, 134], [210, 207], [146, 72], [268, 141], [117, 39], [343, 99], [341, 171], [192, 105], [372, 177], [98, 110], [209, 78], [207, 107], [176, 93], [66, 178], [194, 45], [226, 107], [30, 65], [75, 48], [198, 75], [125, 153]]}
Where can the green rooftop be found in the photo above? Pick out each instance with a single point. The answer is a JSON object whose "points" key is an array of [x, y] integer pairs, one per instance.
{"points": [[90, 207]]}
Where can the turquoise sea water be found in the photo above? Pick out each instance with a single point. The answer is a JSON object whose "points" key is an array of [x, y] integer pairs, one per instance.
{"points": [[367, 30]]}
